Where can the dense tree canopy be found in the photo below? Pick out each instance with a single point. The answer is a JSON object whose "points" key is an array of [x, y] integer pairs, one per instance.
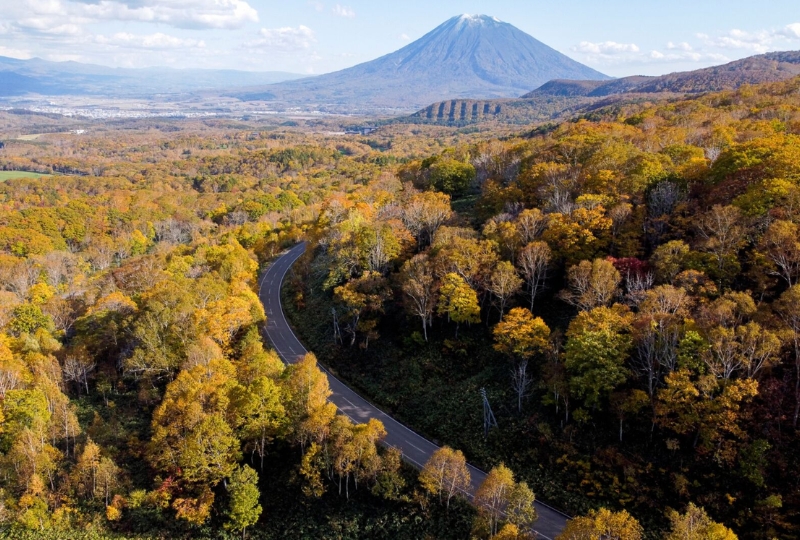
{"points": [[623, 285]]}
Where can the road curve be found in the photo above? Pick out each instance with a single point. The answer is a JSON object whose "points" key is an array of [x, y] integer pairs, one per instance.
{"points": [[416, 449]]}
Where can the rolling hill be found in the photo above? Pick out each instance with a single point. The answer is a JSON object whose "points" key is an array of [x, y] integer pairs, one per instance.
{"points": [[770, 67], [467, 56], [560, 97]]}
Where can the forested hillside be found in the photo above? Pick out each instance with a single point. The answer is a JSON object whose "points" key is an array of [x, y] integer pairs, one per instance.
{"points": [[623, 285], [561, 99], [135, 386]]}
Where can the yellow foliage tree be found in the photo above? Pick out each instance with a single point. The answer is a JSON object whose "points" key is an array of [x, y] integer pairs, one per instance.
{"points": [[695, 524], [446, 475], [602, 524]]}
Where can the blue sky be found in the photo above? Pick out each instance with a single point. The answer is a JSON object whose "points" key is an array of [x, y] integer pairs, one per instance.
{"points": [[616, 37]]}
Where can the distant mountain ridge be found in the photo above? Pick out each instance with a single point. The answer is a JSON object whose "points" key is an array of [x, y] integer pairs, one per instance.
{"points": [[473, 56], [37, 76], [769, 67], [560, 97]]}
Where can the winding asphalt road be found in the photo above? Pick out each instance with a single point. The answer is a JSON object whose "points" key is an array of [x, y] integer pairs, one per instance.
{"points": [[416, 449]]}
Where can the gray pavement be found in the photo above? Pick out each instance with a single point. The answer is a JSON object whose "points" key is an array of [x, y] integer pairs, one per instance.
{"points": [[415, 448]]}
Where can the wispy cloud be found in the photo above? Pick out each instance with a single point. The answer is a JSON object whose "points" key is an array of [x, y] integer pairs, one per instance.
{"points": [[682, 46], [343, 11], [759, 42], [284, 39], [47, 15], [606, 47], [12, 52], [684, 56], [708, 49], [157, 41], [404, 37]]}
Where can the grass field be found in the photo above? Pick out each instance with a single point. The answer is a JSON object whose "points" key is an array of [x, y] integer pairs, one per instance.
{"points": [[8, 175]]}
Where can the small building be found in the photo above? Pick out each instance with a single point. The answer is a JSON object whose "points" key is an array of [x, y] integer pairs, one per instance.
{"points": [[361, 130]]}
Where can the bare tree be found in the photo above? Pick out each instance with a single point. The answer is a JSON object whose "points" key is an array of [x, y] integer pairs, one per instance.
{"points": [[712, 152], [122, 247], [20, 277], [759, 346], [591, 284], [530, 224], [58, 266], [781, 243], [378, 255], [636, 286], [236, 218], [504, 284], [560, 201], [11, 378], [663, 198], [723, 230], [658, 330], [494, 160], [173, 231], [722, 358], [559, 182], [424, 213], [534, 261], [521, 381], [77, 369], [661, 201], [619, 215], [101, 253], [419, 285], [64, 311]]}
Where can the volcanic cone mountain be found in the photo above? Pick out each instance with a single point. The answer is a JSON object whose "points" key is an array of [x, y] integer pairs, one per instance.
{"points": [[473, 56]]}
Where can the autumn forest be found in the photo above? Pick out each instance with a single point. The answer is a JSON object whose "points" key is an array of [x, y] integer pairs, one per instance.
{"points": [[624, 286]]}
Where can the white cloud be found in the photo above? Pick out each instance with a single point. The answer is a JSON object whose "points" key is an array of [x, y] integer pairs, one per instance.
{"points": [[284, 39], [180, 13], [682, 56], [318, 6], [758, 42], [12, 52], [153, 41], [404, 37], [606, 47], [792, 31], [682, 46], [343, 11], [705, 51], [47, 15], [612, 53], [64, 30]]}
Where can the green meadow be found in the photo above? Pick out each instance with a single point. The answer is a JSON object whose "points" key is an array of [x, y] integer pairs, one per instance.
{"points": [[9, 175]]}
